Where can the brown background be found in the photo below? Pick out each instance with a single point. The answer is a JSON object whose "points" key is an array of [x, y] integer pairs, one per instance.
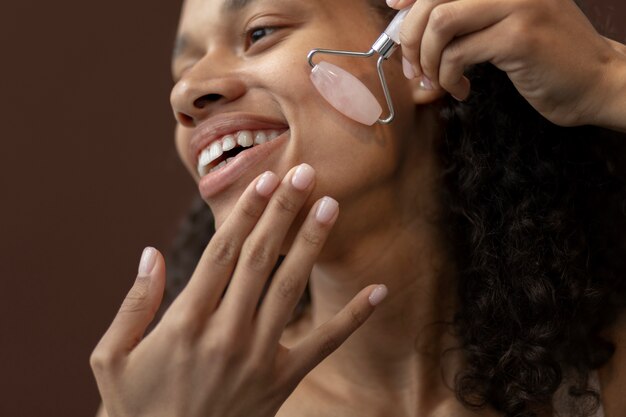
{"points": [[89, 176]]}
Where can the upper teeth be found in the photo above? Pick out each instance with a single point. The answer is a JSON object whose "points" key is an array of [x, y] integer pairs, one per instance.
{"points": [[244, 138]]}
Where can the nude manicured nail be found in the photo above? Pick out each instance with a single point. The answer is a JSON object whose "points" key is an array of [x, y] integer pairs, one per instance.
{"points": [[392, 3], [407, 68], [303, 177], [267, 184], [457, 98], [378, 294], [425, 83], [147, 262], [326, 210]]}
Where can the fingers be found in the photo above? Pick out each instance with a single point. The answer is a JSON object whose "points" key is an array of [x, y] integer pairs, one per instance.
{"points": [[137, 310], [432, 30], [328, 337], [460, 54], [448, 22], [412, 32], [291, 279], [214, 270], [399, 4], [260, 252]]}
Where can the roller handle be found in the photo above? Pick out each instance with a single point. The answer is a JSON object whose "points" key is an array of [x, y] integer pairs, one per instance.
{"points": [[393, 30]]}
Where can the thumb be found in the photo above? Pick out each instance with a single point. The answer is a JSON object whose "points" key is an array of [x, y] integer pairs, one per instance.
{"points": [[139, 307]]}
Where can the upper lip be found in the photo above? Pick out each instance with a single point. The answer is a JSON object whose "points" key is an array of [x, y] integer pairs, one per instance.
{"points": [[216, 127]]}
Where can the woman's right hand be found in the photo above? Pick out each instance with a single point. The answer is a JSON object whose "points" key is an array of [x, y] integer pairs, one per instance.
{"points": [[219, 357], [548, 48]]}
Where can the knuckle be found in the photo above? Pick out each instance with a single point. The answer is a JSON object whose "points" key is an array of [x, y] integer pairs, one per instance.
{"points": [[222, 251], [250, 209], [521, 34], [136, 298], [181, 324], [223, 347], [407, 40], [288, 288], [452, 55], [100, 360], [285, 203], [228, 339], [215, 351], [327, 346], [440, 19], [257, 255], [312, 238], [356, 316]]}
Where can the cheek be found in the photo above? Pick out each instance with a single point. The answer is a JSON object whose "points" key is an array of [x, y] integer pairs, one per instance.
{"points": [[350, 165], [181, 137], [286, 73], [349, 157]]}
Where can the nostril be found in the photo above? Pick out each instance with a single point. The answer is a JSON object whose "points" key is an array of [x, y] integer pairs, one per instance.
{"points": [[184, 119], [206, 99]]}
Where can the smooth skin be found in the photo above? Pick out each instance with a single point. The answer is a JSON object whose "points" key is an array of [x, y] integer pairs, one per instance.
{"points": [[557, 60]]}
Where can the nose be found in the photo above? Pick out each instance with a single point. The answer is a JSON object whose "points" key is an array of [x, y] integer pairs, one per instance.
{"points": [[202, 88]]}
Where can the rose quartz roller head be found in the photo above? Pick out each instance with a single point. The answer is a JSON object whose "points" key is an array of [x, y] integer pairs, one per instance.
{"points": [[347, 93]]}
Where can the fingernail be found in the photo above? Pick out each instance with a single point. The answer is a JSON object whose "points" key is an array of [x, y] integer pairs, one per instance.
{"points": [[267, 183], [303, 177], [378, 294], [392, 3], [407, 68], [148, 260], [326, 210], [456, 98], [425, 83]]}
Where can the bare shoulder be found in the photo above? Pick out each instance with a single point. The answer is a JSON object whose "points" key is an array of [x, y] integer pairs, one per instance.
{"points": [[613, 375]]}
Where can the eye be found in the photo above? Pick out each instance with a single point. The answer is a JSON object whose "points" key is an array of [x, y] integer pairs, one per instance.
{"points": [[256, 34]]}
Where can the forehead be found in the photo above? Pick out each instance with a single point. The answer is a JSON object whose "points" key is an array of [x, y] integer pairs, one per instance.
{"points": [[216, 14], [232, 7]]}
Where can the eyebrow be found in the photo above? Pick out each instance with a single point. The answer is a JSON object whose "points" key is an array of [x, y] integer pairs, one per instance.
{"points": [[181, 43], [235, 5]]}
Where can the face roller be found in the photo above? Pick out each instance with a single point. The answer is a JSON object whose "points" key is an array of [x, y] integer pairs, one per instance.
{"points": [[348, 94]]}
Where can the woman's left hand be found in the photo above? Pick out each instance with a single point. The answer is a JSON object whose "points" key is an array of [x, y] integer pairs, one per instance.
{"points": [[548, 48]]}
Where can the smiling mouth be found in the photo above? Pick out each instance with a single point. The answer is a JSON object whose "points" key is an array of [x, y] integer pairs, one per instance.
{"points": [[223, 150]]}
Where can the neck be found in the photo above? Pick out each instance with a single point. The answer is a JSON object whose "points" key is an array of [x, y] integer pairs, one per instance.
{"points": [[400, 346], [398, 352]]}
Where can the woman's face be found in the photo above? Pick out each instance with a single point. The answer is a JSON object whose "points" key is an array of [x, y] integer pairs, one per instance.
{"points": [[241, 65]]}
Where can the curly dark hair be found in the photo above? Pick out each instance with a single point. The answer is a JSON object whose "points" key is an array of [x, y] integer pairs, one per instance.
{"points": [[535, 219]]}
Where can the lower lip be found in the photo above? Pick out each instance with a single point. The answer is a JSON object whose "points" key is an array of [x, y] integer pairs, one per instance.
{"points": [[217, 181]]}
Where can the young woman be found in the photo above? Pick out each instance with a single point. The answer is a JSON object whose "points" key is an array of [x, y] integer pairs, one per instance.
{"points": [[492, 225]]}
